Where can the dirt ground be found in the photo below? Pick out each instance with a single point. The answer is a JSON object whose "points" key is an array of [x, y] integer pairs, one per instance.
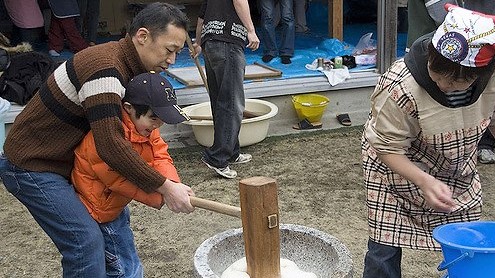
{"points": [[319, 184]]}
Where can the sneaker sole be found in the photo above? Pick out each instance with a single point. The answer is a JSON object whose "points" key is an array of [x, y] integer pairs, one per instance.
{"points": [[218, 171]]}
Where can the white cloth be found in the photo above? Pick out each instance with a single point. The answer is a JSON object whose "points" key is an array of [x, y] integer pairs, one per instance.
{"points": [[334, 76]]}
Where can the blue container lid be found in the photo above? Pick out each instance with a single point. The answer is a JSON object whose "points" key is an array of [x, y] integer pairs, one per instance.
{"points": [[478, 236]]}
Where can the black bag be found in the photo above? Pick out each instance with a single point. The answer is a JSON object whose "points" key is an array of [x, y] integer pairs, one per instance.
{"points": [[24, 76], [4, 59]]}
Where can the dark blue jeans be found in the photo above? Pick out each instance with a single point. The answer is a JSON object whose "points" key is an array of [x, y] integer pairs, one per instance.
{"points": [[225, 65], [382, 261], [53, 203], [268, 24], [120, 251]]}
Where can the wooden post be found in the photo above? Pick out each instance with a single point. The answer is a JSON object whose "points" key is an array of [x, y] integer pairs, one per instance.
{"points": [[260, 225], [335, 19], [387, 34]]}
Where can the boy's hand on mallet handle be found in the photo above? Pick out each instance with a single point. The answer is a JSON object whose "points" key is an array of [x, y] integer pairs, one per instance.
{"points": [[176, 196]]}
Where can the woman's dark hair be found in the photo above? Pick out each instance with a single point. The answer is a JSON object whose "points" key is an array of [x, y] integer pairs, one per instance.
{"points": [[156, 17], [441, 65]]}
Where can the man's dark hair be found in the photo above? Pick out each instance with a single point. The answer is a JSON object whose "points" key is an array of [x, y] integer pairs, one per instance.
{"points": [[156, 17], [441, 65]]}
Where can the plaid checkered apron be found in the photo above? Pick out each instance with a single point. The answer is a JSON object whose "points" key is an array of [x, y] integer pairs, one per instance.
{"points": [[441, 141]]}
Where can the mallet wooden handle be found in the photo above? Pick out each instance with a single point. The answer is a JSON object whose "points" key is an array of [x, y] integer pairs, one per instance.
{"points": [[215, 206]]}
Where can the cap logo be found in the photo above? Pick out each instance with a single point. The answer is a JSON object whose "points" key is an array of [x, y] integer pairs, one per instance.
{"points": [[453, 46], [170, 94]]}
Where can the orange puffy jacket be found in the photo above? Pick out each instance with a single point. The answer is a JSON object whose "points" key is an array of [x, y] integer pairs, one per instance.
{"points": [[106, 192]]}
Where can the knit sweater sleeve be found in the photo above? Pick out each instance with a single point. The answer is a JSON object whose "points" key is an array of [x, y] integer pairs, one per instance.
{"points": [[162, 161], [104, 114]]}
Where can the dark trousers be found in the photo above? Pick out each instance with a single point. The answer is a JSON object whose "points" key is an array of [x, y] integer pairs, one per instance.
{"points": [[225, 64], [487, 141], [382, 261]]}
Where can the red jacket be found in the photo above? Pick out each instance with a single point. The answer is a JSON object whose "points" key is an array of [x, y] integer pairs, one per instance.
{"points": [[106, 192]]}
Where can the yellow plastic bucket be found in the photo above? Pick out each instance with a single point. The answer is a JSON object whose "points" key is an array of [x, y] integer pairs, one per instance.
{"points": [[310, 106]]}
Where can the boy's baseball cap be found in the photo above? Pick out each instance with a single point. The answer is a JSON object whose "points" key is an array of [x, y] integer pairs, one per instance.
{"points": [[466, 37], [155, 91]]}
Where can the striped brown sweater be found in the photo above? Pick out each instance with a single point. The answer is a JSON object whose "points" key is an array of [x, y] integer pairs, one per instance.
{"points": [[83, 93]]}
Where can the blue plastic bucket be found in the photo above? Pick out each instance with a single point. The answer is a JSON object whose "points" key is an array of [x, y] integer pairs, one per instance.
{"points": [[468, 249]]}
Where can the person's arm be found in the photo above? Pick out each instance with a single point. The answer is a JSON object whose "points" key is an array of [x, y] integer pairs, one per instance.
{"points": [[436, 193], [119, 184], [174, 192], [390, 132], [103, 111], [242, 10], [437, 11], [197, 41], [199, 28], [173, 196]]}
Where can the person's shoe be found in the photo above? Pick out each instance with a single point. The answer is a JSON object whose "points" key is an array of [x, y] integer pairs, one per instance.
{"points": [[285, 60], [225, 172], [267, 58], [486, 156], [53, 53], [242, 158]]}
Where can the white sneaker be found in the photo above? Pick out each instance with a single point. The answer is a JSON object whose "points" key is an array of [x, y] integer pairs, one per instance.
{"points": [[225, 172], [242, 158], [53, 53], [486, 156]]}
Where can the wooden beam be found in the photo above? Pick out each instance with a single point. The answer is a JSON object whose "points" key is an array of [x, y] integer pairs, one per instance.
{"points": [[335, 19], [260, 226], [387, 34]]}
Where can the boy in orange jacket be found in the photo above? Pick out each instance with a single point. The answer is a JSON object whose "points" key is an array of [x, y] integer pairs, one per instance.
{"points": [[149, 102]]}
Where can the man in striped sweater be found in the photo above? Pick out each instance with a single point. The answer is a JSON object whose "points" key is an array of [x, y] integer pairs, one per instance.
{"points": [[84, 93]]}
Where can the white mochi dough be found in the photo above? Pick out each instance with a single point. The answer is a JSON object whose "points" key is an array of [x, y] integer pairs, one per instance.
{"points": [[288, 269]]}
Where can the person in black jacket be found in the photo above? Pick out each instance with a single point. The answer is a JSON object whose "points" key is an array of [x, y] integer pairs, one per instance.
{"points": [[223, 29]]}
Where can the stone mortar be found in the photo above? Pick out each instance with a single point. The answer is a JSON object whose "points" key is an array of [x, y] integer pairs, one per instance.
{"points": [[311, 250]]}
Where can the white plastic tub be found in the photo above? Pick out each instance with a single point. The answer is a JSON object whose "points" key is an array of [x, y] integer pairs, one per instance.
{"points": [[253, 130]]}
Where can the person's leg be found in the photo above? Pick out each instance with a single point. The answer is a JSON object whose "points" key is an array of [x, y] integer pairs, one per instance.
{"points": [[81, 21], [287, 28], [54, 204], [55, 35], [121, 256], [92, 21], [33, 36], [74, 38], [300, 16], [268, 38], [485, 148], [382, 261], [227, 63]]}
